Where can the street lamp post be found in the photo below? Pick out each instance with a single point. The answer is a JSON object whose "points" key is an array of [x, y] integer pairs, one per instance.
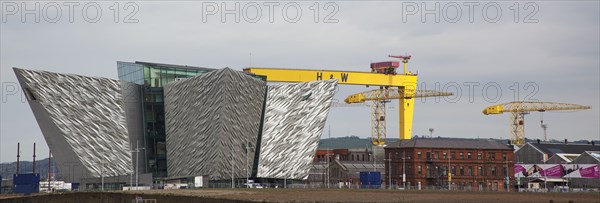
{"points": [[545, 177], [404, 169], [373, 153], [328, 176], [102, 176], [507, 176], [247, 166], [389, 159], [232, 182], [285, 180], [137, 162], [449, 174]]}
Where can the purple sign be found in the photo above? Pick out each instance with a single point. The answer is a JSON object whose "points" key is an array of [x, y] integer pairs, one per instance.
{"points": [[554, 171], [518, 168], [590, 172]]}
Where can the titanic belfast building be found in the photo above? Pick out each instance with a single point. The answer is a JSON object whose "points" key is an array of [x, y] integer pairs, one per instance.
{"points": [[168, 121]]}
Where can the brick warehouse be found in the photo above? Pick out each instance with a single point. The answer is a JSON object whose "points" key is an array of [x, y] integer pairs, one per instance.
{"points": [[475, 164]]}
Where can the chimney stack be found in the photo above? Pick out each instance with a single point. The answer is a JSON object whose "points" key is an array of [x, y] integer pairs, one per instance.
{"points": [[538, 141], [18, 155], [566, 141], [33, 167]]}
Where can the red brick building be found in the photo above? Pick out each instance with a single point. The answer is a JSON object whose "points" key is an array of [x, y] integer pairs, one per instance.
{"points": [[474, 164]]}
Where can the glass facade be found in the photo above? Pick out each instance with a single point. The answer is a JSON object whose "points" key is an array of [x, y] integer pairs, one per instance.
{"points": [[153, 77]]}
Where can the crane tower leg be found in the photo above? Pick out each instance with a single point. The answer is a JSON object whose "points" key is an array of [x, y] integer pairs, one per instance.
{"points": [[378, 129], [517, 128], [406, 107]]}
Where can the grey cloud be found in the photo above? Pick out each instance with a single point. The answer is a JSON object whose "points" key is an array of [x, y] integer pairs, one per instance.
{"points": [[560, 53]]}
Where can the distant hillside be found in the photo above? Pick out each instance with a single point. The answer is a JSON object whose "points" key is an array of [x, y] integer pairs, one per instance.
{"points": [[350, 142], [355, 142], [8, 169]]}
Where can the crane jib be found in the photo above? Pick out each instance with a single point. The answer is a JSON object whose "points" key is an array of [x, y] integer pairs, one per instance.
{"points": [[343, 76]]}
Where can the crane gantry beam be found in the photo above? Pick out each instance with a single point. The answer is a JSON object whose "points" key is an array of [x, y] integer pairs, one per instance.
{"points": [[343, 77], [387, 94], [379, 97], [518, 110], [524, 106], [404, 82]]}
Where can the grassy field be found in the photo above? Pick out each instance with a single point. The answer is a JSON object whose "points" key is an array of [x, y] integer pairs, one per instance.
{"points": [[346, 195]]}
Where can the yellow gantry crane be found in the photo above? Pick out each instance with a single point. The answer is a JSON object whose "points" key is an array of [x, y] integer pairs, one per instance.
{"points": [[379, 98], [382, 74], [519, 109]]}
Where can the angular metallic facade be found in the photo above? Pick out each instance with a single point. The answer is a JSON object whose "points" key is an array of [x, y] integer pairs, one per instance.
{"points": [[210, 119], [294, 118], [83, 121]]}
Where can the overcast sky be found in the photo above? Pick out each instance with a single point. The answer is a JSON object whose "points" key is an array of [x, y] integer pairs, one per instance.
{"points": [[551, 53]]}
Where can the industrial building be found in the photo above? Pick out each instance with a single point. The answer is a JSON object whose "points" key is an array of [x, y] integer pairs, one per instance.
{"points": [[339, 161], [547, 166], [541, 152], [166, 122], [452, 163]]}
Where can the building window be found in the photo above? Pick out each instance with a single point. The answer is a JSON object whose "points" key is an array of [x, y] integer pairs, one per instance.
{"points": [[479, 156], [469, 155], [453, 170], [428, 155], [419, 155], [462, 170], [444, 155], [453, 155], [484, 171], [461, 156], [491, 156], [504, 156], [436, 155], [504, 170], [470, 171], [494, 171], [479, 171], [419, 169]]}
